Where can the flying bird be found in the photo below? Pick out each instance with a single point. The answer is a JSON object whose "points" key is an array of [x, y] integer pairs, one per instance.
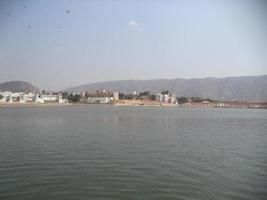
{"points": [[67, 11], [28, 26], [24, 6]]}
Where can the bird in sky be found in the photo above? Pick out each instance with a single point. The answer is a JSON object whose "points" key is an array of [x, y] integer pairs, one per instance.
{"points": [[28, 26], [67, 11]]}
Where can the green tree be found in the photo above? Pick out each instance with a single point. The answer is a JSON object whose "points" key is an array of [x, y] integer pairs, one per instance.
{"points": [[153, 97], [1, 96], [121, 96], [196, 99], [65, 95], [129, 96], [165, 92], [145, 93], [182, 100], [74, 98], [199, 99]]}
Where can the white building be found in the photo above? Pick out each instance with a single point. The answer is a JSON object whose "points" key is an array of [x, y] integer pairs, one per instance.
{"points": [[102, 97], [38, 99], [173, 99], [101, 100], [6, 96], [21, 97], [115, 96], [159, 97], [166, 98], [49, 98], [61, 100]]}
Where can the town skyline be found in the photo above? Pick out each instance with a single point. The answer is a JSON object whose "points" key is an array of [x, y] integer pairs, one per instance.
{"points": [[231, 88]]}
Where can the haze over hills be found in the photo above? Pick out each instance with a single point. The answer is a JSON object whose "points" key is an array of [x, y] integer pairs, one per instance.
{"points": [[18, 86], [253, 88], [250, 88]]}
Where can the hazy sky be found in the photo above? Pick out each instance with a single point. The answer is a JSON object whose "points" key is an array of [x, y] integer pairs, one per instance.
{"points": [[93, 41]]}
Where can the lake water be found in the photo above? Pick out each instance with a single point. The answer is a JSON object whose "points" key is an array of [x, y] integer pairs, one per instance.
{"points": [[109, 152]]}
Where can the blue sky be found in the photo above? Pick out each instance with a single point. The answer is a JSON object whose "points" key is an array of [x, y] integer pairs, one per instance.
{"points": [[109, 40]]}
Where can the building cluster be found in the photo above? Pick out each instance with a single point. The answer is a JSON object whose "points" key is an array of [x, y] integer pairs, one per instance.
{"points": [[106, 97], [97, 97], [22, 97], [100, 97], [167, 98]]}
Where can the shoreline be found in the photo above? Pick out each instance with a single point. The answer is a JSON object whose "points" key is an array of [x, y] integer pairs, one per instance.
{"points": [[30, 105], [26, 105]]}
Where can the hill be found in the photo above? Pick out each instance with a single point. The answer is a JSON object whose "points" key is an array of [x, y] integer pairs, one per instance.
{"points": [[247, 88], [18, 86]]}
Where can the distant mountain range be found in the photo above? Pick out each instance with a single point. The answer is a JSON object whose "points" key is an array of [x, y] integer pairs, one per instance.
{"points": [[252, 88], [18, 86]]}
